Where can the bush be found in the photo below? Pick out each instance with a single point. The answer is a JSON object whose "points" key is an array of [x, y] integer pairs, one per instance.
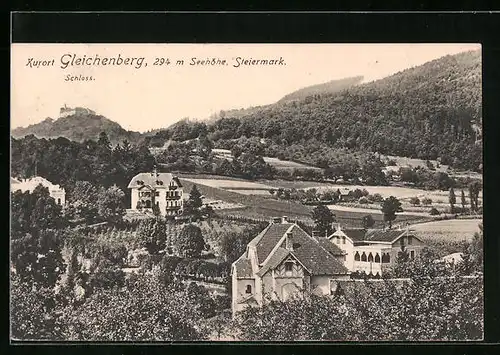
{"points": [[434, 212], [426, 201], [415, 201], [375, 198], [363, 200]]}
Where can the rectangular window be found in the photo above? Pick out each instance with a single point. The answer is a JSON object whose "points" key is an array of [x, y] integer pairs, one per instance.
{"points": [[157, 193], [410, 240], [412, 254], [288, 266]]}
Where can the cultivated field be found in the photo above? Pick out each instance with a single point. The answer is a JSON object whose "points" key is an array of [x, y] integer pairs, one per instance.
{"points": [[449, 230], [414, 162], [287, 164], [275, 162], [254, 205], [338, 208], [230, 184]]}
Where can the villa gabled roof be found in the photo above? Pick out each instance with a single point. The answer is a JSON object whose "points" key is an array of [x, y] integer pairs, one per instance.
{"points": [[316, 256], [386, 236], [355, 234], [155, 180], [330, 247], [268, 238]]}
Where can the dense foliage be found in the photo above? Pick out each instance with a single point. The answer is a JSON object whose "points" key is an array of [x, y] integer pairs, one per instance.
{"points": [[65, 162], [431, 303], [426, 112], [79, 128]]}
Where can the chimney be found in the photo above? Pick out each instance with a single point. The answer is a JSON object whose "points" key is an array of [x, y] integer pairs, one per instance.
{"points": [[284, 219], [289, 241], [275, 220]]}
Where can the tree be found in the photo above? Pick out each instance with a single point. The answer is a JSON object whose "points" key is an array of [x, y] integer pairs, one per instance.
{"points": [[46, 213], [32, 314], [415, 201], [151, 234], [323, 219], [368, 221], [84, 198], [145, 310], [452, 199], [111, 204], [194, 203], [37, 258], [390, 206], [200, 297], [464, 202], [474, 189], [103, 141], [190, 243], [426, 201]]}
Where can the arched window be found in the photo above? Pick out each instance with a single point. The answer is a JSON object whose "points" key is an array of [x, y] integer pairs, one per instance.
{"points": [[248, 289], [386, 258], [370, 258], [377, 258], [363, 257], [58, 201], [356, 256]]}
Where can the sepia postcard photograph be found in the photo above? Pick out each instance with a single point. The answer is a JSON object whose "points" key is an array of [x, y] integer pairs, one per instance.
{"points": [[246, 192]]}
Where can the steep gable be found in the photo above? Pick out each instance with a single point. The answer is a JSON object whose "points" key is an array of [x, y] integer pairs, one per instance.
{"points": [[317, 257]]}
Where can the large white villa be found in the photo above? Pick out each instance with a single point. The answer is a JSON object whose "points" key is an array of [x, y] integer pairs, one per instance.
{"points": [[161, 189], [284, 261]]}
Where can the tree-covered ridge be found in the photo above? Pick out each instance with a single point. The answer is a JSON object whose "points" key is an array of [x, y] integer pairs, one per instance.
{"points": [[330, 87], [65, 162], [425, 112], [78, 127]]}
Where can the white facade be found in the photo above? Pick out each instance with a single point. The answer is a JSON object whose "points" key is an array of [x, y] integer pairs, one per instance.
{"points": [[55, 191], [282, 262], [376, 253], [161, 189]]}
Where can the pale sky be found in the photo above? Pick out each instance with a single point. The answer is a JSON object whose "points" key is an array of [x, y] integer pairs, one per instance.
{"points": [[157, 96]]}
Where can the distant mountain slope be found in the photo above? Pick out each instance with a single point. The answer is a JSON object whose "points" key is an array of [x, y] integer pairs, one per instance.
{"points": [[330, 87], [324, 88], [78, 127], [428, 112]]}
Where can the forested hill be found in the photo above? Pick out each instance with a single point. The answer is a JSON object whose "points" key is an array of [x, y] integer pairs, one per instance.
{"points": [[330, 87], [78, 127], [427, 112]]}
